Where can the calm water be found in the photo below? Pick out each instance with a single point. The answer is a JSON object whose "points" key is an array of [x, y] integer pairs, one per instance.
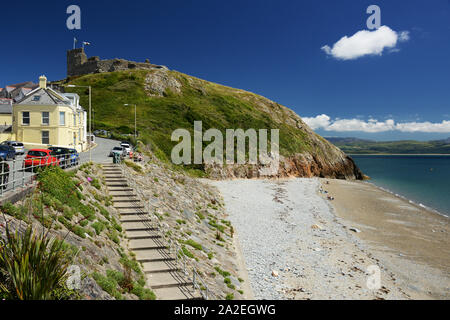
{"points": [[423, 179]]}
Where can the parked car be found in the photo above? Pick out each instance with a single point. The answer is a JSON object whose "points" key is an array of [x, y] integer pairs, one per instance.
{"points": [[37, 158], [127, 147], [4, 174], [117, 150], [62, 154], [7, 152], [18, 146], [74, 157]]}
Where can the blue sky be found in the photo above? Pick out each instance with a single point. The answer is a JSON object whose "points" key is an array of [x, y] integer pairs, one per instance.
{"points": [[273, 48]]}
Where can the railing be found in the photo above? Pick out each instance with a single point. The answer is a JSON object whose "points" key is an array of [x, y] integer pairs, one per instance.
{"points": [[173, 246], [21, 173]]}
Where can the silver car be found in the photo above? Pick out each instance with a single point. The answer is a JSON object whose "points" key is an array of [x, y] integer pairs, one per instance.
{"points": [[117, 150], [18, 146]]}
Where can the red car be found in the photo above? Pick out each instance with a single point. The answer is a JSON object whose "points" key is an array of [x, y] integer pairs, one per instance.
{"points": [[40, 158]]}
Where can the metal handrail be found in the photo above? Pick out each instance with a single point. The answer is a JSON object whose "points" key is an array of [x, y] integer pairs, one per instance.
{"points": [[173, 246], [13, 172]]}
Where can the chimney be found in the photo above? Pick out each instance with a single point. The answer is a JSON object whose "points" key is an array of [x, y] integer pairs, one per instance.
{"points": [[43, 82]]}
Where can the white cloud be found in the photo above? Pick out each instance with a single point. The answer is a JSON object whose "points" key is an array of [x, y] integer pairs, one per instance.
{"points": [[324, 122], [441, 127], [317, 122], [360, 125], [403, 36], [366, 42]]}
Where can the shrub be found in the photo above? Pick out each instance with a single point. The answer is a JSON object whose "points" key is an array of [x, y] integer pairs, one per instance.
{"points": [[193, 244], [98, 227], [34, 264], [133, 165], [187, 253], [17, 212], [224, 274], [107, 284], [96, 184]]}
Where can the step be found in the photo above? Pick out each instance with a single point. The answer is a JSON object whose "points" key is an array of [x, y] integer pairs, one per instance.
{"points": [[125, 206], [141, 244], [119, 180], [159, 266], [120, 193], [177, 293], [141, 234], [132, 210], [126, 200], [135, 218], [167, 279], [124, 195], [115, 184], [151, 255], [136, 226]]}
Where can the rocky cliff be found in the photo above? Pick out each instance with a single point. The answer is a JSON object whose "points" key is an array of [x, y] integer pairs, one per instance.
{"points": [[168, 100]]}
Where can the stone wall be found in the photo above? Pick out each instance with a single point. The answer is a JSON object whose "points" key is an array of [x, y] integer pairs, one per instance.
{"points": [[79, 64]]}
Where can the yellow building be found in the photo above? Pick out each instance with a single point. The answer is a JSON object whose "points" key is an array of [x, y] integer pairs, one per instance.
{"points": [[45, 117]]}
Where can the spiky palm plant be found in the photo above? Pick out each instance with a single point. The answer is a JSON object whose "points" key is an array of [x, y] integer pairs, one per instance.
{"points": [[32, 265]]}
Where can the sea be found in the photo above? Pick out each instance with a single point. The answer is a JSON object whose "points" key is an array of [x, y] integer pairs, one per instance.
{"points": [[423, 179]]}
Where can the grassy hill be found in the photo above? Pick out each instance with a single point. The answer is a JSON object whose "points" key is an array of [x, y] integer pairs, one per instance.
{"points": [[359, 146], [168, 100]]}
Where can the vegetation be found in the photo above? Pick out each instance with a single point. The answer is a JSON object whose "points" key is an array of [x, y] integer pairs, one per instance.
{"points": [[32, 266], [133, 165], [193, 244], [29, 260], [215, 105], [223, 273]]}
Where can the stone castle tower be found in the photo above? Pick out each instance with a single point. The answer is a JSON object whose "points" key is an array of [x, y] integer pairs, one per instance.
{"points": [[79, 64]]}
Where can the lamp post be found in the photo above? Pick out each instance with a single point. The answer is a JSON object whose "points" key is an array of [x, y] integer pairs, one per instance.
{"points": [[90, 114], [135, 128]]}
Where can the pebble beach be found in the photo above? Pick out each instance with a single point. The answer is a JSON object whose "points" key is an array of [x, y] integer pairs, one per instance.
{"points": [[298, 244]]}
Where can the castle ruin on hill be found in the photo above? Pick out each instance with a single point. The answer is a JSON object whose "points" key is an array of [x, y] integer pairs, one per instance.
{"points": [[79, 64]]}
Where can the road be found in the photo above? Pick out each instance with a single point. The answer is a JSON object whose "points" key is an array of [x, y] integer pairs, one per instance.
{"points": [[101, 152], [18, 177]]}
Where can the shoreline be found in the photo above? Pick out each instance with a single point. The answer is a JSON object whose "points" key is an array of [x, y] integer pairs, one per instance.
{"points": [[398, 154], [412, 240], [288, 227], [412, 202]]}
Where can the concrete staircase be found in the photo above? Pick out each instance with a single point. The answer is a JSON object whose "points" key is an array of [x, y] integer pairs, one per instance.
{"points": [[163, 276]]}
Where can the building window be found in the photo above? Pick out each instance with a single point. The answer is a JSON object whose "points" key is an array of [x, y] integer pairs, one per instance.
{"points": [[74, 119], [62, 118], [26, 118], [45, 118], [45, 137]]}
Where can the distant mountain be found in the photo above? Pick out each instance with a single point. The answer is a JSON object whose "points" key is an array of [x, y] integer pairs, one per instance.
{"points": [[361, 146]]}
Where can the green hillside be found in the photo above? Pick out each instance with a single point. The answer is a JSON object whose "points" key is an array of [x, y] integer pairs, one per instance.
{"points": [[215, 105], [168, 100]]}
